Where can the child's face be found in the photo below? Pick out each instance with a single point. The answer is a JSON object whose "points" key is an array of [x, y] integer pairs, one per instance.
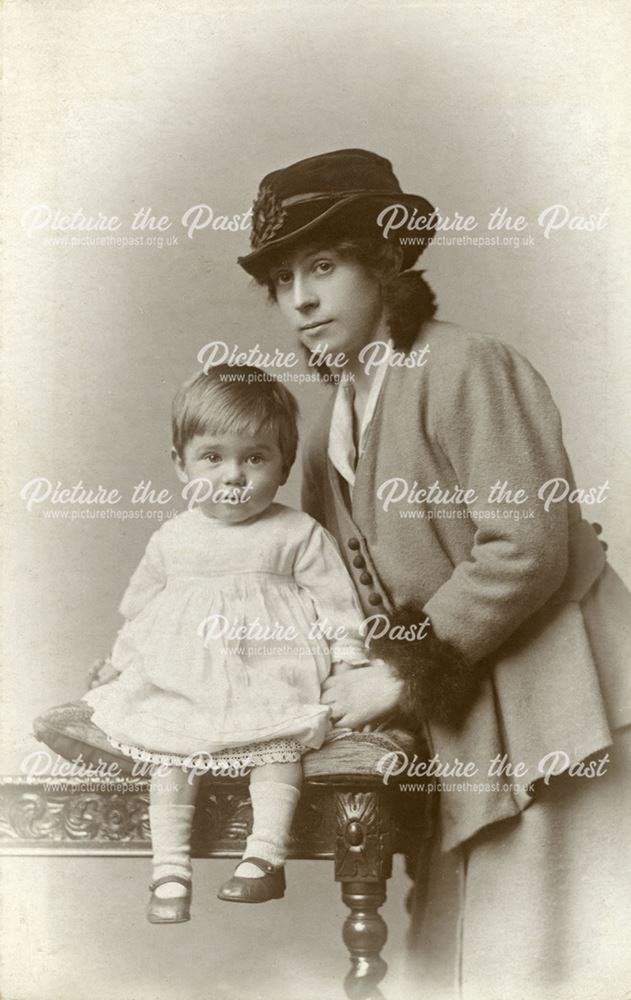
{"points": [[240, 474], [329, 300]]}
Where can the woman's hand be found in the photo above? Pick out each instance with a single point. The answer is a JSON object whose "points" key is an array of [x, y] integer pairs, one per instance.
{"points": [[341, 667], [362, 695]]}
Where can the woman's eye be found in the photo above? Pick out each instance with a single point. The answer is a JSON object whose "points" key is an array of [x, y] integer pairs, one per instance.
{"points": [[282, 278], [323, 266]]}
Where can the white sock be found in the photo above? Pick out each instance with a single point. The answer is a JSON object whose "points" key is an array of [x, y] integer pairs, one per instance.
{"points": [[273, 807], [171, 842]]}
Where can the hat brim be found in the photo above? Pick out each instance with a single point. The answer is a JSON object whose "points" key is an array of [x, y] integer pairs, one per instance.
{"points": [[351, 208]]}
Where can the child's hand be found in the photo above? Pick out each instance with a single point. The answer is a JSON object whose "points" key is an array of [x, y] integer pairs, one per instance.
{"points": [[101, 672]]}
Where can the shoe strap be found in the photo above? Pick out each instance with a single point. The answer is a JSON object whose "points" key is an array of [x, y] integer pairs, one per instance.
{"points": [[170, 878], [265, 866]]}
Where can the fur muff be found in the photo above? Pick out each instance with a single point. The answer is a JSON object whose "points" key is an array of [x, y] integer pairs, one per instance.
{"points": [[439, 683]]}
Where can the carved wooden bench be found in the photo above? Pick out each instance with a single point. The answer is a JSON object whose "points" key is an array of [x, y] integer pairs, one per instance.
{"points": [[346, 815]]}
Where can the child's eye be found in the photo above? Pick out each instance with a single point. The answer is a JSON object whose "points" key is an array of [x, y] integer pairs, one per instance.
{"points": [[255, 459], [212, 457]]}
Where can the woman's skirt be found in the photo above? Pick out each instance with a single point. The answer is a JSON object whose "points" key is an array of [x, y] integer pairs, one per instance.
{"points": [[537, 907]]}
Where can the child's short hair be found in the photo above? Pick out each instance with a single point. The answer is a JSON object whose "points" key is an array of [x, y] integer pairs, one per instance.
{"points": [[236, 399]]}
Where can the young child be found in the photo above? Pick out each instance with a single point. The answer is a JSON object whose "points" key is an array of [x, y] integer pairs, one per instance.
{"points": [[223, 652]]}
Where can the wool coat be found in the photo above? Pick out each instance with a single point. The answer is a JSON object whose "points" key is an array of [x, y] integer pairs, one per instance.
{"points": [[519, 593]]}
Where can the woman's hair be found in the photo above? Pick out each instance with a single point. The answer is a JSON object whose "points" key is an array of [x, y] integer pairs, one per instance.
{"points": [[408, 298], [231, 399]]}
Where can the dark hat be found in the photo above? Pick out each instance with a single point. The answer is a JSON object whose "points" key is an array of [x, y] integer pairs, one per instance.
{"points": [[338, 193]]}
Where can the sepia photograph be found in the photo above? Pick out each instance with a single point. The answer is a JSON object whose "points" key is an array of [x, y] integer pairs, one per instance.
{"points": [[316, 575]]}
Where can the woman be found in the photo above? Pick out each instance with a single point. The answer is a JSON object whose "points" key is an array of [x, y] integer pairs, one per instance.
{"points": [[440, 468]]}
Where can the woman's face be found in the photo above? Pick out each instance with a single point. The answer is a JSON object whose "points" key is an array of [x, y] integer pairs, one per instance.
{"points": [[331, 301]]}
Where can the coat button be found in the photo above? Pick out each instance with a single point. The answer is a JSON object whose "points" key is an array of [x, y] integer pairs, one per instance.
{"points": [[353, 543], [366, 579], [375, 599], [359, 562]]}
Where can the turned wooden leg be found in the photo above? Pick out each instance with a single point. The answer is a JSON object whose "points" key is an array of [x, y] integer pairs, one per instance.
{"points": [[364, 934], [363, 862]]}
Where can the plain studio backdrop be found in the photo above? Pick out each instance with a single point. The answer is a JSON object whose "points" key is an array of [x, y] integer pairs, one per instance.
{"points": [[113, 108]]}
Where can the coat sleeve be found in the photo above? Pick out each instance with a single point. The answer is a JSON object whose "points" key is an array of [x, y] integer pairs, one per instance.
{"points": [[493, 417], [147, 581], [497, 423]]}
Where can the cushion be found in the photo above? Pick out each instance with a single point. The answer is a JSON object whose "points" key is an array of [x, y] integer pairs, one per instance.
{"points": [[69, 731]]}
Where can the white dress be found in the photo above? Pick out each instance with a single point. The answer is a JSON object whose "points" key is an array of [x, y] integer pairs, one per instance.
{"points": [[226, 642]]}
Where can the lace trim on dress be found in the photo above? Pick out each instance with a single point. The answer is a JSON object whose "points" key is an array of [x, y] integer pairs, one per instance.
{"points": [[252, 755]]}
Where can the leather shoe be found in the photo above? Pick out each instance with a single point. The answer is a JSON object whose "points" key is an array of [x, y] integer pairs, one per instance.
{"points": [[271, 885], [169, 909]]}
